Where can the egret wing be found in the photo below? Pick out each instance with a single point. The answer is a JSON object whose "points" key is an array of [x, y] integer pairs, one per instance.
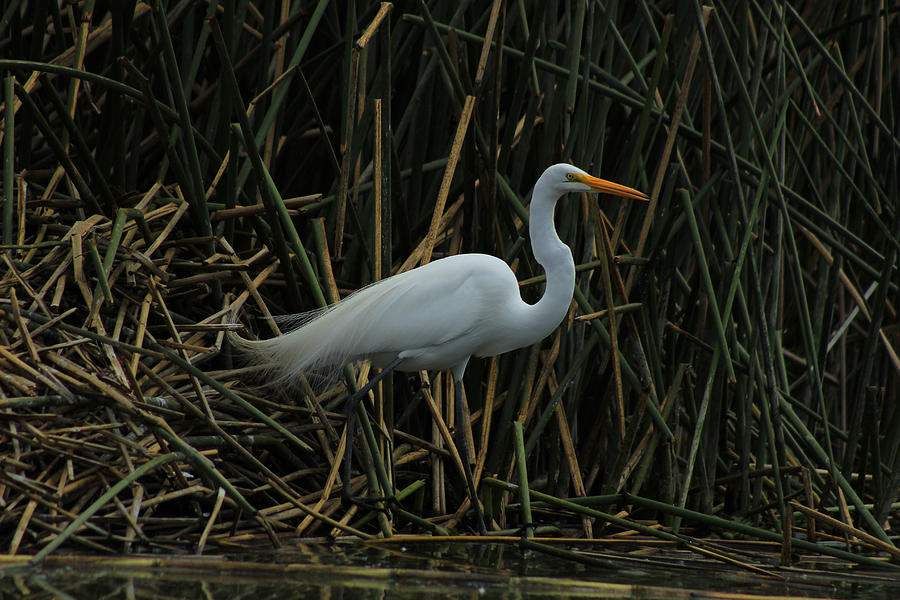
{"points": [[437, 314], [433, 305]]}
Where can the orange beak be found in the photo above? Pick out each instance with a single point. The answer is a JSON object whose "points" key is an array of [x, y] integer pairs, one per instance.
{"points": [[608, 187]]}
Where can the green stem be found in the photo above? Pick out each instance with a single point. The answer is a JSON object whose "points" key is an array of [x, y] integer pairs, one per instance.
{"points": [[100, 502]]}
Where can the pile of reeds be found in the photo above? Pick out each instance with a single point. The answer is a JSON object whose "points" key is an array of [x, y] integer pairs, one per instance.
{"points": [[174, 169]]}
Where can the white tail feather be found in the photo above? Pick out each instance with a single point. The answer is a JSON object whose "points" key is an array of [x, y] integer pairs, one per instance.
{"points": [[323, 340]]}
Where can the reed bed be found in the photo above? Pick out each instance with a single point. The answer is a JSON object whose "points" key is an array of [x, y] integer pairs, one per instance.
{"points": [[174, 171]]}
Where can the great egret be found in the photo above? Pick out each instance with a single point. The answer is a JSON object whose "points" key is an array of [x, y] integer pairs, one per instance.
{"points": [[441, 314]]}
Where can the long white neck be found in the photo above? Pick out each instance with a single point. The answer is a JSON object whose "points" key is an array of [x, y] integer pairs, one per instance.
{"points": [[555, 257]]}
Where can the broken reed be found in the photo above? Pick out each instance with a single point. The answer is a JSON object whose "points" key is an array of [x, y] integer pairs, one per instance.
{"points": [[178, 167]]}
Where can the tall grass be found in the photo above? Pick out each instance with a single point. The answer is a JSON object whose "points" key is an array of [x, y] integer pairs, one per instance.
{"points": [[732, 346]]}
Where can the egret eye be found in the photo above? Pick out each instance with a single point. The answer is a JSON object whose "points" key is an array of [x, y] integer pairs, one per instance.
{"points": [[570, 176]]}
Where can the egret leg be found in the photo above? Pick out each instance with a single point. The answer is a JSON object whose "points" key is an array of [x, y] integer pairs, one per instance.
{"points": [[462, 444], [352, 407]]}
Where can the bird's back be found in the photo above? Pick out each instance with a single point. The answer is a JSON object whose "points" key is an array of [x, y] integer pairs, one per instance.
{"points": [[435, 316]]}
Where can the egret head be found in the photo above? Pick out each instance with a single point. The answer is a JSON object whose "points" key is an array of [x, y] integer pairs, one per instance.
{"points": [[563, 178]]}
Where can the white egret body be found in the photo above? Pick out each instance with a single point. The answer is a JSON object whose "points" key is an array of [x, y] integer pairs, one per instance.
{"points": [[443, 313], [439, 315]]}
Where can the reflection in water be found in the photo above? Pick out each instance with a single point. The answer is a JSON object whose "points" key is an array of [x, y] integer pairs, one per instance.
{"points": [[418, 571]]}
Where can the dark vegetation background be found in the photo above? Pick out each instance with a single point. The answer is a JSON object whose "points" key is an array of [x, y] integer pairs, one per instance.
{"points": [[752, 359]]}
